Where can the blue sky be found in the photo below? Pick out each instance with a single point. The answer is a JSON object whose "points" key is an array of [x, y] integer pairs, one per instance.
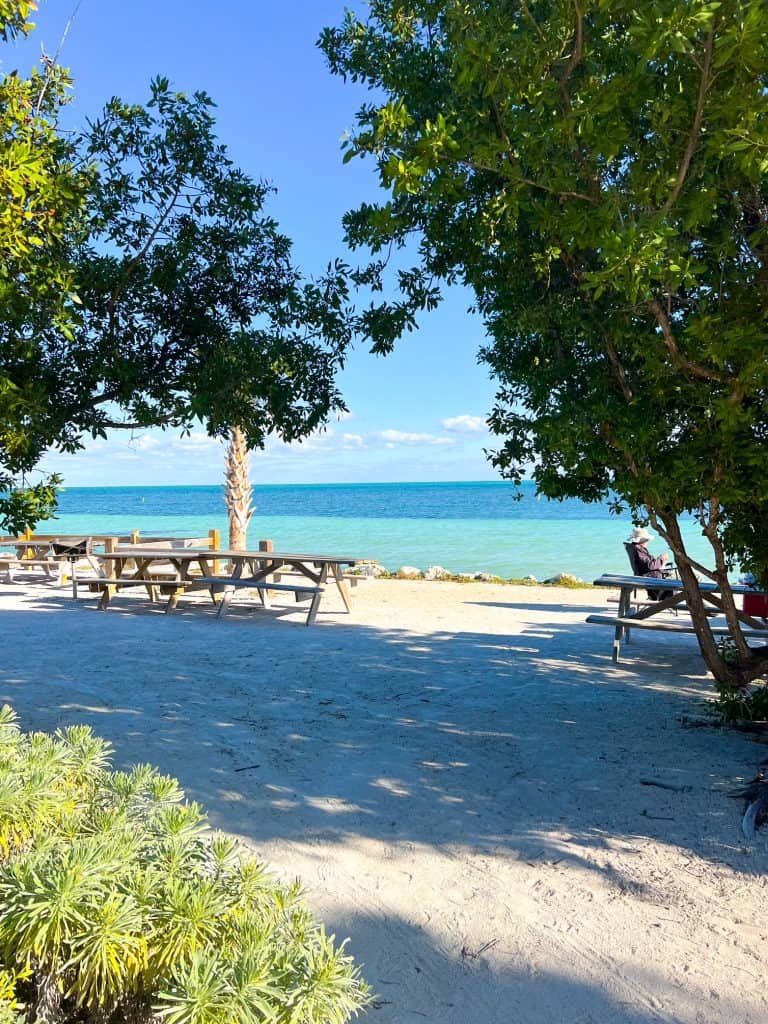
{"points": [[417, 414]]}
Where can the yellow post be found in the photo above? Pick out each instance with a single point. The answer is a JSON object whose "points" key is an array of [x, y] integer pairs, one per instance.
{"points": [[135, 536], [214, 537]]}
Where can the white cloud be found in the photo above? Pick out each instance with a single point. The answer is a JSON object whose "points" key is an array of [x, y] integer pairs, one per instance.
{"points": [[352, 441], [464, 424], [394, 437], [197, 440], [322, 440], [145, 443]]}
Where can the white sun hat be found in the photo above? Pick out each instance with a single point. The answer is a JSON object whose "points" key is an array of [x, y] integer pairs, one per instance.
{"points": [[639, 536]]}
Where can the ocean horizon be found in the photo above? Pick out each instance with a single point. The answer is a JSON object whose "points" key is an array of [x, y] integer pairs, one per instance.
{"points": [[463, 526]]}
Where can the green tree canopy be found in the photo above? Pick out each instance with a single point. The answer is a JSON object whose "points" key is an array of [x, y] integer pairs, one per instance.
{"points": [[190, 308], [596, 172], [42, 189]]}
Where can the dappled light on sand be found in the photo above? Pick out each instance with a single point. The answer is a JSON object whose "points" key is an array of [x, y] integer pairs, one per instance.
{"points": [[506, 825]]}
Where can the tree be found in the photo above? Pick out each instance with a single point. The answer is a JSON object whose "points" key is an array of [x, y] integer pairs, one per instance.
{"points": [[190, 308], [596, 172], [201, 314], [42, 191]]}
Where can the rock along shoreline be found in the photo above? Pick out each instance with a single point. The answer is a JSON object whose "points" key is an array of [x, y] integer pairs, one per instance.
{"points": [[374, 570]]}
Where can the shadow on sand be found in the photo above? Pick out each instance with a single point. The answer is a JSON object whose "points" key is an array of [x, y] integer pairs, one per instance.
{"points": [[465, 741]]}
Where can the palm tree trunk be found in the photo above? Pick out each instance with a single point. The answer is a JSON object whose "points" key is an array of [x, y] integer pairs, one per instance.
{"points": [[238, 493]]}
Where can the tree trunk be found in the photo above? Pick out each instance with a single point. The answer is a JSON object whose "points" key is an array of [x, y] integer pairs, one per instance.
{"points": [[753, 663], [238, 493]]}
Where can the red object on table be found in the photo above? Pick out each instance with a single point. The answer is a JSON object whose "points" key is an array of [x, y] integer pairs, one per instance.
{"points": [[756, 604]]}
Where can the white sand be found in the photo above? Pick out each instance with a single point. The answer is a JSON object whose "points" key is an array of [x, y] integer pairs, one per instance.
{"points": [[454, 771]]}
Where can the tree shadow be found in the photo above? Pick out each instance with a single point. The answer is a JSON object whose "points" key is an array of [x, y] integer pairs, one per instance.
{"points": [[487, 740], [529, 751], [419, 979]]}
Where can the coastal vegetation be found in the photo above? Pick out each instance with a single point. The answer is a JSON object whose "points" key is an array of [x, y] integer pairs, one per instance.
{"points": [[596, 174], [118, 904]]}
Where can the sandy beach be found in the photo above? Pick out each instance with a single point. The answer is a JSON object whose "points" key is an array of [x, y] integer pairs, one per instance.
{"points": [[509, 828]]}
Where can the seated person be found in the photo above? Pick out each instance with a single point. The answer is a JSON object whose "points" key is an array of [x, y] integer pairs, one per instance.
{"points": [[642, 561]]}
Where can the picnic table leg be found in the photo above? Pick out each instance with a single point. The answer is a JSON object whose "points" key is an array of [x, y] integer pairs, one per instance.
{"points": [[624, 604], [340, 582], [617, 644], [224, 600], [312, 614]]}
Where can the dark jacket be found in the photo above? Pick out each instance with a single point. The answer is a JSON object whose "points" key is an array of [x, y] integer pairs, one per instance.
{"points": [[646, 563]]}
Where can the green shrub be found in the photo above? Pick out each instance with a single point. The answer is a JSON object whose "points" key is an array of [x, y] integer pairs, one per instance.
{"points": [[117, 904], [746, 706], [740, 705]]}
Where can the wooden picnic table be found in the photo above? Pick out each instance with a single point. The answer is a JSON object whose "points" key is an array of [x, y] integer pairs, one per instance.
{"points": [[645, 616], [246, 569], [49, 554]]}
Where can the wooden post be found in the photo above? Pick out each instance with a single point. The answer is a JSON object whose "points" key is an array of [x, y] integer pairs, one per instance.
{"points": [[268, 545], [214, 537], [111, 544], [135, 536]]}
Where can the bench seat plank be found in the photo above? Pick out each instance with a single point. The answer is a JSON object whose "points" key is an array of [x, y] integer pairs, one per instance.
{"points": [[227, 585], [12, 563], [630, 622]]}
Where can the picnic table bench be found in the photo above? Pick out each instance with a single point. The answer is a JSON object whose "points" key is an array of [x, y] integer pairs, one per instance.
{"points": [[227, 585], [646, 615], [51, 555]]}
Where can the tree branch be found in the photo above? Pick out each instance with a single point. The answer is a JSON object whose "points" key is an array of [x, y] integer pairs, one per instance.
{"points": [[700, 372], [576, 55], [693, 139], [527, 12], [721, 575], [135, 260], [678, 550], [561, 194], [618, 370]]}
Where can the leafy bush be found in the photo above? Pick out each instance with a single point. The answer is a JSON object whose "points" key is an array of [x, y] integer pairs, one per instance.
{"points": [[118, 905], [740, 705]]}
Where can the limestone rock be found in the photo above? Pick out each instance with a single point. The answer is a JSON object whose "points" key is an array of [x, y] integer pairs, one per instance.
{"points": [[369, 569], [564, 579], [437, 572], [408, 572]]}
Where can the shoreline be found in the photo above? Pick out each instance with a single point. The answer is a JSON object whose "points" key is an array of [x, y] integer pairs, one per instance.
{"points": [[467, 527]]}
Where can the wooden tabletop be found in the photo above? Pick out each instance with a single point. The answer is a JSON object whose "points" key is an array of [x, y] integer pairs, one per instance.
{"points": [[195, 553], [616, 580]]}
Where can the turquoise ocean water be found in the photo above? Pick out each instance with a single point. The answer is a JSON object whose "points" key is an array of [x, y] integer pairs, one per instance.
{"points": [[465, 527]]}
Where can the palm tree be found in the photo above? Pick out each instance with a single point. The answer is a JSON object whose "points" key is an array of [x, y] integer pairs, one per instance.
{"points": [[238, 493]]}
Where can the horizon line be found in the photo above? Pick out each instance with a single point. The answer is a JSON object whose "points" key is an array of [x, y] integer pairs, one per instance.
{"points": [[257, 484]]}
